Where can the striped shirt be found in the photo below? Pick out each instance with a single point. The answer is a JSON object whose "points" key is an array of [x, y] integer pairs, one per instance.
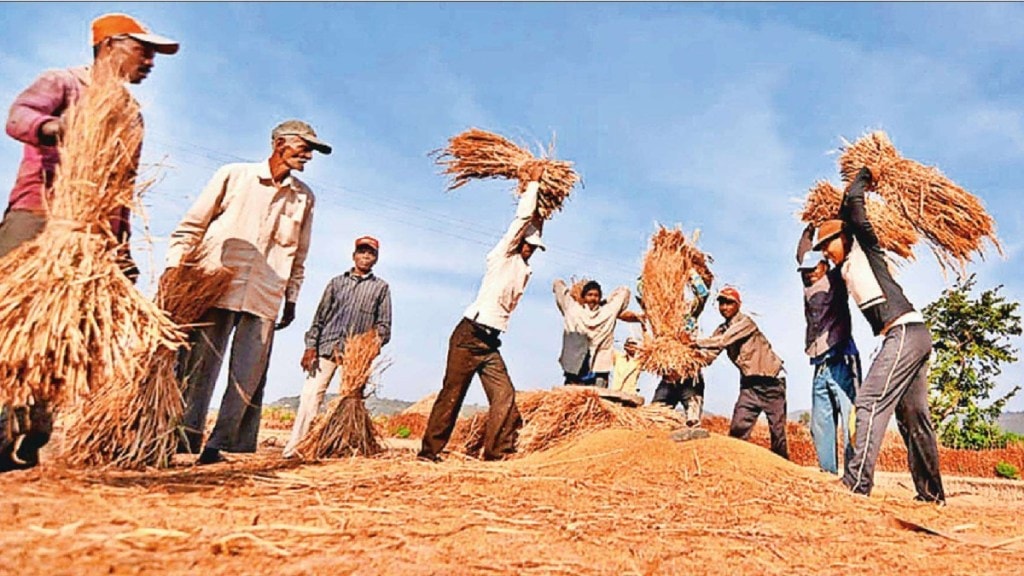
{"points": [[351, 304]]}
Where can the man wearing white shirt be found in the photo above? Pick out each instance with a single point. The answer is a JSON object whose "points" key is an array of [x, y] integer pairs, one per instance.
{"points": [[473, 346]]}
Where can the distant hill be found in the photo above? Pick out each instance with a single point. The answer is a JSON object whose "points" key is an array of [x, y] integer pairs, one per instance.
{"points": [[1012, 422], [376, 406]]}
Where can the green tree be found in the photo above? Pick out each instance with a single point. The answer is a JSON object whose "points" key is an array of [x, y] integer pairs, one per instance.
{"points": [[972, 343]]}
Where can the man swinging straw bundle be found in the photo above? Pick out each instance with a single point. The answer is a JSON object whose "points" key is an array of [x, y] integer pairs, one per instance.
{"points": [[71, 322], [346, 429], [672, 266]]}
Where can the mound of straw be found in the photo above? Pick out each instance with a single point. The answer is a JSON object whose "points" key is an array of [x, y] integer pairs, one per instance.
{"points": [[668, 302], [346, 429], [952, 220], [552, 417], [137, 426], [895, 233], [70, 322], [477, 154], [576, 290]]}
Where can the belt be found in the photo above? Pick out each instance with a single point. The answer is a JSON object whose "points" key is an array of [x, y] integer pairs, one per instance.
{"points": [[491, 332]]}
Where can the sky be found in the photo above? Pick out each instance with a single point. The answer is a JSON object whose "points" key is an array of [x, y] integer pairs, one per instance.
{"points": [[715, 117]]}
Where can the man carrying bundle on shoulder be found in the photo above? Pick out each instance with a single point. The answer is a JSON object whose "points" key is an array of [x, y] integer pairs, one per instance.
{"points": [[474, 344], [589, 331], [897, 381], [353, 303], [762, 383], [119, 43], [832, 351], [257, 219]]}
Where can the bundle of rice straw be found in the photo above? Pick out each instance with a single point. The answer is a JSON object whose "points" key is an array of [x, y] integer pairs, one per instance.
{"points": [[895, 233], [70, 322], [551, 417], [953, 220], [667, 302], [136, 425], [477, 154], [346, 429]]}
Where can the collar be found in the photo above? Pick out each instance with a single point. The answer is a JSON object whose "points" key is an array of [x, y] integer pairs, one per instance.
{"points": [[350, 273], [267, 179]]}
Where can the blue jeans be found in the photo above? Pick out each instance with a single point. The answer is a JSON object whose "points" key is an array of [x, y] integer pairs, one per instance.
{"points": [[832, 395]]}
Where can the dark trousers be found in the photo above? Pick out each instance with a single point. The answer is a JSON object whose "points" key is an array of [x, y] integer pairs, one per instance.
{"points": [[759, 393], [472, 350], [238, 418], [897, 382], [689, 392]]}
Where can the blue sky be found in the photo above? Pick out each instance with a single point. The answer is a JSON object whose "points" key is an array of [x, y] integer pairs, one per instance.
{"points": [[717, 117]]}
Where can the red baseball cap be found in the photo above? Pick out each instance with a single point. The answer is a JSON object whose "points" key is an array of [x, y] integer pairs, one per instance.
{"points": [[111, 25], [729, 293], [368, 241]]}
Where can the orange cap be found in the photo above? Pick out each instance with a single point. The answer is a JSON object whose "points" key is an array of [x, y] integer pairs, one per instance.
{"points": [[368, 241], [729, 293], [112, 25]]}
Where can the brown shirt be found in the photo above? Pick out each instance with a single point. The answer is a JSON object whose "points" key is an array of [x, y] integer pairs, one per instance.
{"points": [[746, 346]]}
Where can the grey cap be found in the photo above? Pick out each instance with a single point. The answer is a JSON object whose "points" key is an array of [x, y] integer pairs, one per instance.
{"points": [[810, 261], [302, 130]]}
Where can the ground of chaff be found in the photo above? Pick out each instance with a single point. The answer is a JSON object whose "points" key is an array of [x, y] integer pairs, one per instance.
{"points": [[614, 502]]}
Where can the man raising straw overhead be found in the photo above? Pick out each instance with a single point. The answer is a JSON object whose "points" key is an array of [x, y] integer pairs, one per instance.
{"points": [[473, 346], [122, 44], [897, 381], [256, 219]]}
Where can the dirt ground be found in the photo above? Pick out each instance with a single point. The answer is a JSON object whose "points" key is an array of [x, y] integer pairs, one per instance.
{"points": [[614, 502]]}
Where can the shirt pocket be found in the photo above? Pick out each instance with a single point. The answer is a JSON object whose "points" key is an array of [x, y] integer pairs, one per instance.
{"points": [[288, 230]]}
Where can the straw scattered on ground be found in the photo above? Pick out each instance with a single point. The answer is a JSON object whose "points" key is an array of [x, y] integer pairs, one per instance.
{"points": [[478, 154], [952, 220]]}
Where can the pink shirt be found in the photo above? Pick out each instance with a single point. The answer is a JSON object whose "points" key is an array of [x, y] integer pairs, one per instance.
{"points": [[46, 99]]}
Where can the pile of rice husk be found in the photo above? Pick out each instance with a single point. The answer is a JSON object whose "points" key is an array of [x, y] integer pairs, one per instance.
{"points": [[478, 154], [551, 417], [71, 323], [951, 219], [136, 425], [346, 428], [667, 302], [895, 233]]}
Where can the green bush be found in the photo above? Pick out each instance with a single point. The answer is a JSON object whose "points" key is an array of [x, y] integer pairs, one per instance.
{"points": [[403, 431], [1006, 470]]}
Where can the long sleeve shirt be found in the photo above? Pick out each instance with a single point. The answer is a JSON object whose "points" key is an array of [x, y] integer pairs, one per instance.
{"points": [[746, 346], [351, 304], [47, 99], [866, 269], [246, 222], [507, 273], [827, 311], [597, 324]]}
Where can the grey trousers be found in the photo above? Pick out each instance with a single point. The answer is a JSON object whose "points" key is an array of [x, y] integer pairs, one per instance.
{"points": [[897, 382], [238, 419], [757, 394]]}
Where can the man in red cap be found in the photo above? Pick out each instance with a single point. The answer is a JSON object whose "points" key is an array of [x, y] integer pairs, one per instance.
{"points": [[120, 44], [353, 303], [255, 218], [762, 386]]}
